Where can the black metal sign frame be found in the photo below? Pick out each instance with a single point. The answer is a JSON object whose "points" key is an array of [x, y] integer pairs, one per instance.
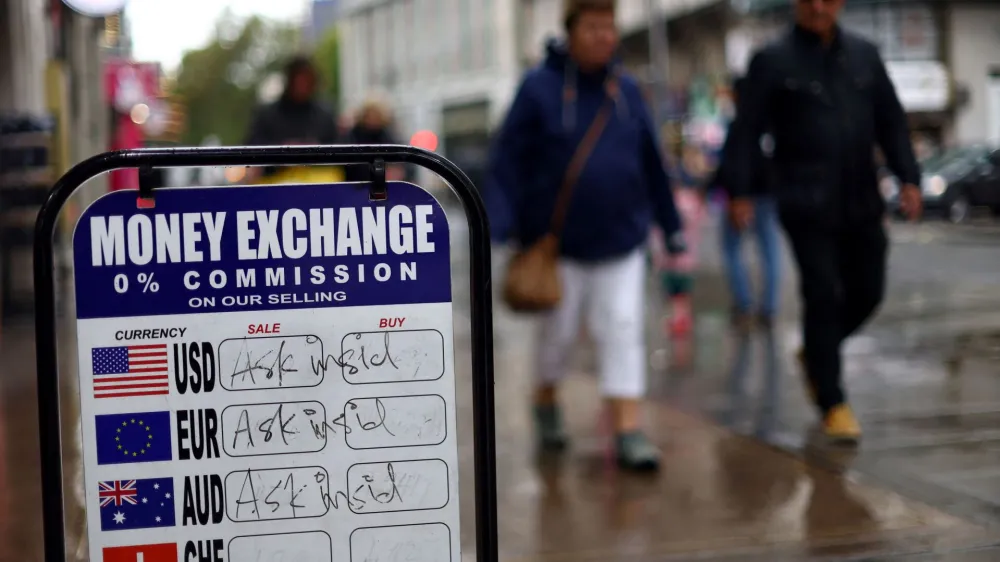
{"points": [[484, 430]]}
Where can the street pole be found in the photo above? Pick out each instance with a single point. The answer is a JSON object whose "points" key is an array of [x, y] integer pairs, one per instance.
{"points": [[658, 58]]}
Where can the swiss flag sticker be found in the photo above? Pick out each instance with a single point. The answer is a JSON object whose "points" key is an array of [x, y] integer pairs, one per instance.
{"points": [[142, 553]]}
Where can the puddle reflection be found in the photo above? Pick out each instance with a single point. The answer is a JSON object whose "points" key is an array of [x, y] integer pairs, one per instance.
{"points": [[758, 409]]}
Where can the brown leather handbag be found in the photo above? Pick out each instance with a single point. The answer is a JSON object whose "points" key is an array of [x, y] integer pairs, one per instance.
{"points": [[532, 283]]}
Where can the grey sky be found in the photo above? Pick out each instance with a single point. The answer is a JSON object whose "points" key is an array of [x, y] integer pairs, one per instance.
{"points": [[163, 30]]}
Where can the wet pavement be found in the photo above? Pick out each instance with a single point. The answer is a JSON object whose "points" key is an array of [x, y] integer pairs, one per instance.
{"points": [[744, 478]]}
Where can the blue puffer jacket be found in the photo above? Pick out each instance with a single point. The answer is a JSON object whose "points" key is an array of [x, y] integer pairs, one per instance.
{"points": [[623, 186]]}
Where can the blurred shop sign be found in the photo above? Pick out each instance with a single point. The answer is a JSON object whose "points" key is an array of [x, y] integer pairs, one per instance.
{"points": [[920, 85], [127, 83], [96, 8]]}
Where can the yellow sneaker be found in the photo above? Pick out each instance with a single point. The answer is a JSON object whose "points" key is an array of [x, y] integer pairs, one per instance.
{"points": [[841, 426]]}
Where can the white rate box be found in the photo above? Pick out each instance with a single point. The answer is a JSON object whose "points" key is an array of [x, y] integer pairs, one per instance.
{"points": [[314, 546], [429, 542], [393, 356], [395, 421], [279, 428], [271, 362], [276, 493], [383, 487]]}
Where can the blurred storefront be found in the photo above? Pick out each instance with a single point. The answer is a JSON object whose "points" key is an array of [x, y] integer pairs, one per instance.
{"points": [[942, 57], [132, 93], [973, 55], [50, 117], [465, 132], [449, 67]]}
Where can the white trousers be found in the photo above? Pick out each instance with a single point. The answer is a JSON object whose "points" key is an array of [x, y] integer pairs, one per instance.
{"points": [[610, 296]]}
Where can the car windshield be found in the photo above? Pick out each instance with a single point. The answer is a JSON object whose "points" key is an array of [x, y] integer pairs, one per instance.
{"points": [[954, 159]]}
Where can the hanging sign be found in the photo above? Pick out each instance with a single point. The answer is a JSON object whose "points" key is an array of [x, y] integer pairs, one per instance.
{"points": [[267, 373]]}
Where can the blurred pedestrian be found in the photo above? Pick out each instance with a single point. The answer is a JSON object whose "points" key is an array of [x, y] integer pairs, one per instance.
{"points": [[296, 118], [676, 271], [372, 125], [577, 167], [763, 227], [826, 98]]}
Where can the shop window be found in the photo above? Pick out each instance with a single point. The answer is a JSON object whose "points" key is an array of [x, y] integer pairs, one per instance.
{"points": [[901, 32]]}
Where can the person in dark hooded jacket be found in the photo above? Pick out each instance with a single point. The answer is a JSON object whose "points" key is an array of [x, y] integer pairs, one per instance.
{"points": [[622, 187], [297, 117]]}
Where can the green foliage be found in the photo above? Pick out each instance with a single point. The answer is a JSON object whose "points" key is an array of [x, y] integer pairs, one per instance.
{"points": [[327, 60], [218, 83]]}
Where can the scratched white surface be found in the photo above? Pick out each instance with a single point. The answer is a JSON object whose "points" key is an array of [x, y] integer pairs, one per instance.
{"points": [[417, 484], [263, 362], [295, 547], [417, 355], [412, 543], [305, 434], [279, 428], [397, 421]]}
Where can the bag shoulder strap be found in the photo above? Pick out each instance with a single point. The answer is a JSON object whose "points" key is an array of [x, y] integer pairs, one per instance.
{"points": [[582, 154]]}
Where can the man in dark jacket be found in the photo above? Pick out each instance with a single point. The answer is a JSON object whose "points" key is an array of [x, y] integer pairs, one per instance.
{"points": [[826, 99], [621, 188], [297, 117]]}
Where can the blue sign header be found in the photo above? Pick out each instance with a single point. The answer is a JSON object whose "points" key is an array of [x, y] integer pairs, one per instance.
{"points": [[224, 249]]}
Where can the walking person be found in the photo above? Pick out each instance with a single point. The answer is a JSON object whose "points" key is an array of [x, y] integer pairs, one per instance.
{"points": [[825, 97], [764, 228], [577, 164], [676, 271], [373, 125]]}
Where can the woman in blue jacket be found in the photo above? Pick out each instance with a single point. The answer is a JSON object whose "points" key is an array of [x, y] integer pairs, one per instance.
{"points": [[621, 188]]}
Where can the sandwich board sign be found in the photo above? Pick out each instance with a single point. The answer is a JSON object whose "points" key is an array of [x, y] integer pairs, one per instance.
{"points": [[267, 373]]}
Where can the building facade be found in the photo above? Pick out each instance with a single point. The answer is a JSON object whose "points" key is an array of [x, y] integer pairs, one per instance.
{"points": [[973, 56], [447, 66], [942, 55], [50, 118], [943, 58], [323, 15]]}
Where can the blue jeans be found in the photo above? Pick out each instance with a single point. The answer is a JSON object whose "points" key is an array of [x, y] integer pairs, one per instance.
{"points": [[765, 229]]}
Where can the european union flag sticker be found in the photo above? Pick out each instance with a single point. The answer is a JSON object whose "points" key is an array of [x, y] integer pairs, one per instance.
{"points": [[128, 438]]}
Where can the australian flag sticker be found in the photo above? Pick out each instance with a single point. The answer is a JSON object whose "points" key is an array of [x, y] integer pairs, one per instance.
{"points": [[136, 504]]}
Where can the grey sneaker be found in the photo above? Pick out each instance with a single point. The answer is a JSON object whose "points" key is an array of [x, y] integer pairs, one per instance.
{"points": [[549, 428], [637, 452]]}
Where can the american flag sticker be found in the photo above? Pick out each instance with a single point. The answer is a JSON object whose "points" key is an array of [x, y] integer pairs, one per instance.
{"points": [[134, 370]]}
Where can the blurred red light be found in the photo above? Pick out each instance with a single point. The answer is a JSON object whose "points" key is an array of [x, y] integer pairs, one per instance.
{"points": [[424, 139]]}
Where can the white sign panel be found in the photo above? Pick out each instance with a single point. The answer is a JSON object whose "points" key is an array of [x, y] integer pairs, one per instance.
{"points": [[267, 374]]}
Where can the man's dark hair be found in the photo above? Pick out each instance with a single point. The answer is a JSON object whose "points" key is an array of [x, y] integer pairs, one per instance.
{"points": [[574, 8], [297, 65]]}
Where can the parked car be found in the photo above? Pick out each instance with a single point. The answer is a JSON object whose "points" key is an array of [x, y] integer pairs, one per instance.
{"points": [[955, 181]]}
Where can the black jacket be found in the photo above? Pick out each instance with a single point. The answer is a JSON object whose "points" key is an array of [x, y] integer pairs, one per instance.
{"points": [[826, 108], [285, 122], [288, 123]]}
